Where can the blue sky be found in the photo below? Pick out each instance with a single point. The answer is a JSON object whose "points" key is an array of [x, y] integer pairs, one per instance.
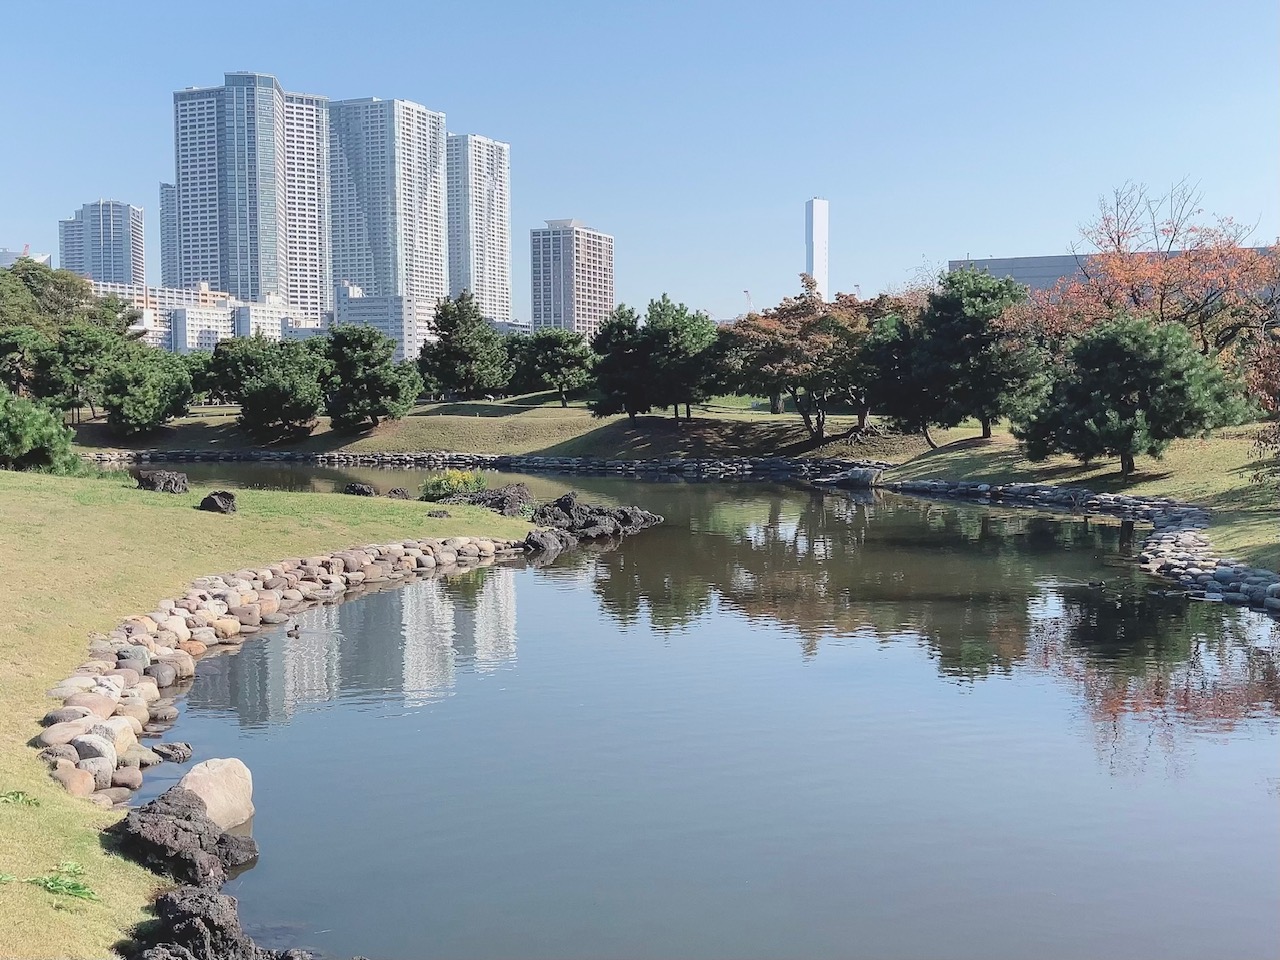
{"points": [[694, 131]]}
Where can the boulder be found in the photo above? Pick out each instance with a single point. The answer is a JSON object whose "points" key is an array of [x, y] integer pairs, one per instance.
{"points": [[164, 674], [513, 500], [140, 756], [77, 782], [226, 628], [360, 490], [195, 648], [399, 493], [112, 795], [201, 924], [163, 481], [101, 768], [220, 501], [135, 710], [129, 777], [117, 731], [225, 786], [65, 715], [173, 835], [163, 713], [60, 733], [63, 751], [89, 745], [176, 752]]}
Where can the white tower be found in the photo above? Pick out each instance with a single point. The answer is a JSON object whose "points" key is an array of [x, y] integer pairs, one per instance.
{"points": [[815, 244], [480, 222]]}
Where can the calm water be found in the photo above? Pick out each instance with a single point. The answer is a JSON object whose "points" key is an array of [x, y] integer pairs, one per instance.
{"points": [[780, 725]]}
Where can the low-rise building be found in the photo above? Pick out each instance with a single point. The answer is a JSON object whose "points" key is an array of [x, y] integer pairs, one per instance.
{"points": [[200, 328], [407, 320]]}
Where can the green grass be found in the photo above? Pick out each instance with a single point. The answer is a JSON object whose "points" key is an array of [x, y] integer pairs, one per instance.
{"points": [[78, 555], [537, 424], [1215, 472]]}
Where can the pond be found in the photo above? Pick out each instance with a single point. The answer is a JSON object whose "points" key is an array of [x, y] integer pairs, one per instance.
{"points": [[780, 725]]}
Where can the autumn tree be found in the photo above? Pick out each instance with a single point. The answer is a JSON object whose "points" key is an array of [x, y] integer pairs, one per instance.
{"points": [[1130, 387], [1163, 258], [1263, 379]]}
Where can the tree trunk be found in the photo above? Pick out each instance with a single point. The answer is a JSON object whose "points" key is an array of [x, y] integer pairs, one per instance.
{"points": [[775, 403], [928, 438], [821, 419], [863, 412], [631, 415], [564, 401], [803, 410], [688, 414], [986, 429], [1126, 466], [675, 410]]}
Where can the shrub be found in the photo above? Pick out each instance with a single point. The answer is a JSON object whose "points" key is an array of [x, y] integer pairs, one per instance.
{"points": [[33, 437], [451, 483]]}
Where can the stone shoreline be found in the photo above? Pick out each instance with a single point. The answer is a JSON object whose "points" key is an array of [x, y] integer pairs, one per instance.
{"points": [[1176, 549], [734, 468]]}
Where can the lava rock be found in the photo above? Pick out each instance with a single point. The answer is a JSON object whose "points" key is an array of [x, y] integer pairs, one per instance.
{"points": [[163, 481], [173, 835], [220, 501], [176, 752], [360, 490], [399, 493], [513, 500], [439, 514]]}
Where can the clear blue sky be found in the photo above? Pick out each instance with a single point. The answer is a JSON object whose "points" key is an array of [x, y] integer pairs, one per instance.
{"points": [[694, 131]]}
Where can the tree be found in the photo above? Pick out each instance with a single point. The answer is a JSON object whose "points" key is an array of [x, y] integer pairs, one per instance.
{"points": [[468, 358], [366, 384], [234, 362], [679, 342], [894, 381], [204, 385], [23, 352], [1157, 256], [59, 295], [524, 377], [32, 436], [622, 372], [977, 367], [145, 388], [1130, 386], [560, 359], [283, 395], [1263, 379], [805, 348], [71, 371]]}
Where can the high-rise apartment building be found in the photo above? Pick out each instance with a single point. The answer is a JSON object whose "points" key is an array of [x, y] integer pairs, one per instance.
{"points": [[251, 188], [816, 223], [479, 175], [387, 177], [571, 276], [104, 241], [170, 266]]}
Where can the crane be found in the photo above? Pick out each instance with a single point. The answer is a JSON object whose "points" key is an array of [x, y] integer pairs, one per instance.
{"points": [[751, 307]]}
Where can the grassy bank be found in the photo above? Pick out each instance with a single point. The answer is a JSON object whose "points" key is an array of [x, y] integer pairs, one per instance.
{"points": [[77, 556], [537, 425], [1215, 472]]}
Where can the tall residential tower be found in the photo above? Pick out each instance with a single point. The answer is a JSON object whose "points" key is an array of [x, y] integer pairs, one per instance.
{"points": [[571, 274], [479, 173], [815, 244], [251, 189], [170, 263], [103, 241]]}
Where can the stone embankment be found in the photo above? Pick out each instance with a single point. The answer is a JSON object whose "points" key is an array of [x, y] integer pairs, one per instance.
{"points": [[1176, 549], [717, 468]]}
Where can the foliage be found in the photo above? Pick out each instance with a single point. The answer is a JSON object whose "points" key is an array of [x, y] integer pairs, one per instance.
{"points": [[1157, 256], [967, 359], [1263, 379], [560, 359], [65, 881], [678, 343], [282, 393], [144, 389], [204, 386], [19, 798], [623, 383], [451, 483], [1129, 387], [366, 384], [32, 436], [805, 348], [23, 352], [233, 362], [524, 376], [901, 394], [469, 358]]}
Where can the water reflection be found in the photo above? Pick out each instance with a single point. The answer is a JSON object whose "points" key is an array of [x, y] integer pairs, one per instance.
{"points": [[409, 641]]}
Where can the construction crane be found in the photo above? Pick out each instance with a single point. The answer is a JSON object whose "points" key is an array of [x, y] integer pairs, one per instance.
{"points": [[751, 307]]}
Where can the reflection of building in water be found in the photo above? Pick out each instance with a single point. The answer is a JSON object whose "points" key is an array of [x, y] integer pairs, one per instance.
{"points": [[427, 633], [408, 640]]}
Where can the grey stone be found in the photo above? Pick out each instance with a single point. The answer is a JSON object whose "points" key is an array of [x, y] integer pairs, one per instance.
{"points": [[101, 768], [220, 501]]}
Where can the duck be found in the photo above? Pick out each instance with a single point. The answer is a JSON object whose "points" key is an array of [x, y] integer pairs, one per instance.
{"points": [[294, 630]]}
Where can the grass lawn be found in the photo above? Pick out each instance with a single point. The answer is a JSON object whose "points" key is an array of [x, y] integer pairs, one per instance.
{"points": [[537, 424], [1215, 472], [77, 556]]}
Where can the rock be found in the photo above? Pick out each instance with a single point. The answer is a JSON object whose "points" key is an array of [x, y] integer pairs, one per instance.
{"points": [[360, 490], [101, 768], [176, 752], [164, 674], [163, 481], [399, 493], [140, 756], [61, 733], [589, 522], [439, 514], [65, 715], [225, 786], [225, 628], [90, 745], [201, 924], [77, 782], [178, 627], [163, 712], [112, 795], [249, 615], [129, 777], [63, 751], [118, 731], [97, 704], [193, 647], [134, 710], [513, 500], [173, 835], [220, 501]]}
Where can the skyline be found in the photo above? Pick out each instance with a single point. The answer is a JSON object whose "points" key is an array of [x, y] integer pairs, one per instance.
{"points": [[935, 137]]}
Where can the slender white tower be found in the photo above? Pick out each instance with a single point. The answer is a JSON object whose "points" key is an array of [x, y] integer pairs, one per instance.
{"points": [[815, 244]]}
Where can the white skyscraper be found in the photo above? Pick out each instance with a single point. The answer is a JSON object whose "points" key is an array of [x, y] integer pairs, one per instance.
{"points": [[815, 244], [251, 190], [170, 265], [387, 176], [479, 174], [571, 274], [104, 241]]}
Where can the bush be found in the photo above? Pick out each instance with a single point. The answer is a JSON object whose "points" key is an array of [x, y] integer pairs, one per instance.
{"points": [[32, 437], [145, 389], [451, 483]]}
